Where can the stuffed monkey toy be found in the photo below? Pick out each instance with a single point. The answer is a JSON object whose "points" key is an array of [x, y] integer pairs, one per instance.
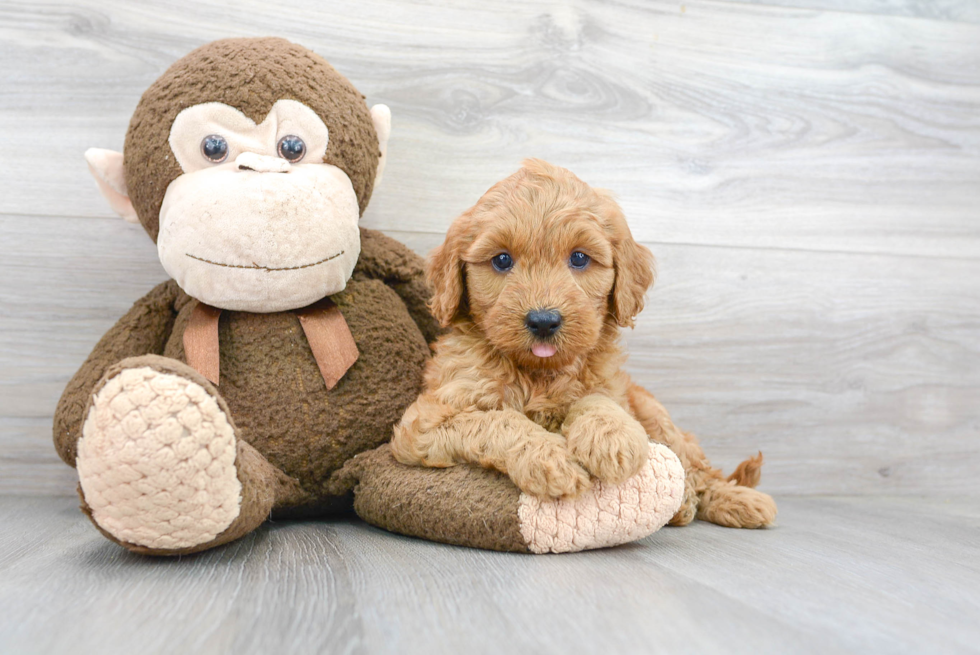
{"points": [[265, 377]]}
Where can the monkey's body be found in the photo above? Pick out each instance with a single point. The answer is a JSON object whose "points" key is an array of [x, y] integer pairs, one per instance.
{"points": [[277, 396]]}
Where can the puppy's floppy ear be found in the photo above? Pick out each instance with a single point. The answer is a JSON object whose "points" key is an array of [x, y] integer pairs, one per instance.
{"points": [[633, 263], [444, 273]]}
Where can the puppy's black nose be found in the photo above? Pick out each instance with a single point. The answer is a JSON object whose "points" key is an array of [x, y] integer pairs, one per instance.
{"points": [[543, 322]]}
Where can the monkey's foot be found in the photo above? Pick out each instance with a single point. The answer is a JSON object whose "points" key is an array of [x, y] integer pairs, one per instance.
{"points": [[607, 514], [476, 507], [156, 460]]}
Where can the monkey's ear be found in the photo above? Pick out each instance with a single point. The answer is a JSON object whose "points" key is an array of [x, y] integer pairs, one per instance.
{"points": [[381, 116], [106, 167]]}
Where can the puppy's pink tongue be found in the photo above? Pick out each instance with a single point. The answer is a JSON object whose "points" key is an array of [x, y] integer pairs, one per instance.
{"points": [[543, 349]]}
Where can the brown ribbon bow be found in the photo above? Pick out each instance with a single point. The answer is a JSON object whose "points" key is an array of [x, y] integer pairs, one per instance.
{"points": [[324, 326]]}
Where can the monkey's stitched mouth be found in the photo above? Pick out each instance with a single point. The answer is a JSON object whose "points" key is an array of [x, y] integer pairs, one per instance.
{"points": [[259, 267]]}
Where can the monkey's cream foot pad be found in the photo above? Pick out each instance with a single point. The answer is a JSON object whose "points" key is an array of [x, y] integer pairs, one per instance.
{"points": [[156, 461], [606, 515]]}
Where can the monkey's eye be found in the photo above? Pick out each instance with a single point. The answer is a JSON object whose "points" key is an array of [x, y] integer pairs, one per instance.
{"points": [[579, 260], [214, 148], [503, 262], [291, 148]]}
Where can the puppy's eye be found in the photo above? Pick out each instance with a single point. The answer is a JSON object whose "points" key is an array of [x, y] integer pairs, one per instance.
{"points": [[503, 262], [291, 148], [579, 260], [214, 147]]}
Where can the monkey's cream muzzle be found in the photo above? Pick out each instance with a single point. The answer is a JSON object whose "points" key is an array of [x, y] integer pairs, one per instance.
{"points": [[260, 242], [254, 232]]}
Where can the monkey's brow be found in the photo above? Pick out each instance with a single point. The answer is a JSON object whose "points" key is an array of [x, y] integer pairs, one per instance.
{"points": [[265, 268]]}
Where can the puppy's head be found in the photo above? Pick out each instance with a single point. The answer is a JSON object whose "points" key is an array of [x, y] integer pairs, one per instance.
{"points": [[540, 265]]}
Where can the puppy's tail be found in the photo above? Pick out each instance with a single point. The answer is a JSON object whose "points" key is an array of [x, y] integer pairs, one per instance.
{"points": [[747, 473]]}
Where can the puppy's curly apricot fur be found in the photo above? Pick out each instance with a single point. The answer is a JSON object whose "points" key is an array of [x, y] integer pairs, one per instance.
{"points": [[551, 406]]}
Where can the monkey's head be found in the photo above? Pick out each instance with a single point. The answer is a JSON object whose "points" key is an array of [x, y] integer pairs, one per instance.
{"points": [[249, 163]]}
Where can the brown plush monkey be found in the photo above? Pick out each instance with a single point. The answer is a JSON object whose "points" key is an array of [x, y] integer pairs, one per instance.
{"points": [[288, 342]]}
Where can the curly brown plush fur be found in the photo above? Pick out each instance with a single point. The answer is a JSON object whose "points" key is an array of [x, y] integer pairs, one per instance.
{"points": [[551, 423]]}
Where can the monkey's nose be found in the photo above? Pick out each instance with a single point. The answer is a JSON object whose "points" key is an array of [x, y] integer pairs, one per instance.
{"points": [[251, 161], [543, 322]]}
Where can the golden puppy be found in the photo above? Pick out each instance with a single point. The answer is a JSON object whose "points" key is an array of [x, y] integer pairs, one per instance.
{"points": [[536, 279]]}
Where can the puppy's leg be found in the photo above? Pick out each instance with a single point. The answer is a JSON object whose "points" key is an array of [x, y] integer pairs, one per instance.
{"points": [[707, 494], [735, 506], [607, 441], [431, 433]]}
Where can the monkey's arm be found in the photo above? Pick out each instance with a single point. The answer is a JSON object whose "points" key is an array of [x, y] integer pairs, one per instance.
{"points": [[143, 330], [383, 258]]}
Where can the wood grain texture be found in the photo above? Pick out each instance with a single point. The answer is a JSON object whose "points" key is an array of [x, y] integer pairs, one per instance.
{"points": [[724, 123], [837, 575], [809, 179], [944, 10]]}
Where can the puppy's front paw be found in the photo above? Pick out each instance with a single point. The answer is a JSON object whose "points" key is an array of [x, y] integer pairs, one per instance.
{"points": [[611, 445], [544, 469]]}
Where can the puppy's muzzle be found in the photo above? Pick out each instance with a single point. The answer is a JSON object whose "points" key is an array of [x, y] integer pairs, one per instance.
{"points": [[543, 322]]}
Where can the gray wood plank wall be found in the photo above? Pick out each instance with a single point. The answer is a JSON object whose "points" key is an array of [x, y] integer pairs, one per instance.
{"points": [[807, 173]]}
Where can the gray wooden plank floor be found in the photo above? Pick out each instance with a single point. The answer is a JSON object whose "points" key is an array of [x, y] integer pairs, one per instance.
{"points": [[862, 575]]}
